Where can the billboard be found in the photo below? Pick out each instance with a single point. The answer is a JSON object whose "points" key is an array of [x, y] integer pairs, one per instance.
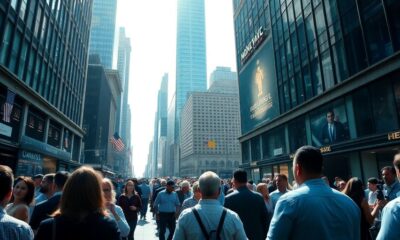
{"points": [[259, 102]]}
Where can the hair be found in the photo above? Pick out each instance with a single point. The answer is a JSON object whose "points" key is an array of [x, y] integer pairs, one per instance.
{"points": [[309, 159], [6, 181], [396, 161], [330, 111], [354, 189], [126, 186], [373, 180], [195, 186], [60, 178], [261, 185], [163, 182], [282, 176], [49, 177], [185, 184], [82, 194], [111, 185], [390, 169], [209, 184], [240, 176], [30, 187]]}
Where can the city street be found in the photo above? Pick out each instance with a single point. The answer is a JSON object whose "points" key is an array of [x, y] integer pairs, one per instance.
{"points": [[146, 229]]}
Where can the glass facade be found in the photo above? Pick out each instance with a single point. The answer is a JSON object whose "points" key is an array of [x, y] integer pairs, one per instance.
{"points": [[320, 46], [43, 43], [103, 30], [191, 68]]}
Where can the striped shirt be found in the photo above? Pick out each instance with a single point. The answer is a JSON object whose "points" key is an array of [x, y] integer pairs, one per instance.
{"points": [[12, 228]]}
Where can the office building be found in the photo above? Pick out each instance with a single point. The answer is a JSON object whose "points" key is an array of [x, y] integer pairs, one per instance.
{"points": [[322, 73], [43, 65], [223, 80], [191, 69], [103, 30], [222, 73]]}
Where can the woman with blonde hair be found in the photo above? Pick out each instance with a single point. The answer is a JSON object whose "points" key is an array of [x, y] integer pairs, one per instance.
{"points": [[82, 213], [262, 188], [114, 211], [23, 193]]}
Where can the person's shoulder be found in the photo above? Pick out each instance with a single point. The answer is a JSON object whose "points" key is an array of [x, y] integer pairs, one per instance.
{"points": [[394, 205], [232, 195], [14, 222]]}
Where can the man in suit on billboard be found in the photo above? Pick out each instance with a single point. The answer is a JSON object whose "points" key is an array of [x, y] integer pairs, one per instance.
{"points": [[333, 131]]}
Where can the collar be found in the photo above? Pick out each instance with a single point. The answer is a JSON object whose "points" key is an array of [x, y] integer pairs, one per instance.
{"points": [[209, 202], [314, 182]]}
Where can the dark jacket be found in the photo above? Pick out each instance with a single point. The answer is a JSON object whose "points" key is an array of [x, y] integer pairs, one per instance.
{"points": [[43, 210], [124, 202], [252, 211], [94, 227], [339, 133]]}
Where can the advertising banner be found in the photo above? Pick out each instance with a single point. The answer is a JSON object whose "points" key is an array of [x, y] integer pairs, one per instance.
{"points": [[259, 102]]}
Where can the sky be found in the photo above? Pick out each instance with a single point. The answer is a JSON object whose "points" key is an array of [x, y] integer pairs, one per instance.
{"points": [[151, 27]]}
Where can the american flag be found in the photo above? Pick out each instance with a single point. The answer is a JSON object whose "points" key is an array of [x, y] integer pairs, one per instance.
{"points": [[8, 106], [117, 143]]}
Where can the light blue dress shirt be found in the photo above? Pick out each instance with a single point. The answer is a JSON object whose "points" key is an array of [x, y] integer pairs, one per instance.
{"points": [[12, 228], [275, 195], [166, 202], [390, 226], [145, 190], [315, 211], [392, 191], [210, 212]]}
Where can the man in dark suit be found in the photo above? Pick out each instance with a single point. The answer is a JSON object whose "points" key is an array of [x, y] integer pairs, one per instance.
{"points": [[184, 192], [333, 131], [43, 210], [249, 206]]}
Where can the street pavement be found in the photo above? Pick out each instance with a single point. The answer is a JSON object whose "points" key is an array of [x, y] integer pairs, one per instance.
{"points": [[146, 229]]}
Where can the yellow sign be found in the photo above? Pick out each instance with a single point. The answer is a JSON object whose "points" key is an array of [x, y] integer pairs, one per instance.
{"points": [[211, 144], [325, 149], [394, 136]]}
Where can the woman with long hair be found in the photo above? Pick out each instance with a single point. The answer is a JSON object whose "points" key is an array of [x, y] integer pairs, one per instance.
{"points": [[114, 211], [23, 193], [130, 203], [354, 189], [82, 213]]}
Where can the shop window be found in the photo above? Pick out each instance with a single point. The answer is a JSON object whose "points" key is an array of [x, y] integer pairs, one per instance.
{"points": [[297, 134], [363, 113], [397, 94], [54, 135], [35, 124], [329, 125], [245, 152], [255, 149], [273, 143], [10, 114], [392, 11]]}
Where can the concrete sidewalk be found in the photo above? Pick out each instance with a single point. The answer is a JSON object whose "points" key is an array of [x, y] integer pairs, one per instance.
{"points": [[146, 229]]}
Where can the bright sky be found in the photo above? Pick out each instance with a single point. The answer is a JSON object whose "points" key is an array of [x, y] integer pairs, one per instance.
{"points": [[151, 26]]}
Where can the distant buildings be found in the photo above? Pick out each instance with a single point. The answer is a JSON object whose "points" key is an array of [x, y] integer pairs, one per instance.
{"points": [[103, 30], [43, 67]]}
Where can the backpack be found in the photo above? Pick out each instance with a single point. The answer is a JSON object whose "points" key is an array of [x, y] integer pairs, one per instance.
{"points": [[213, 234]]}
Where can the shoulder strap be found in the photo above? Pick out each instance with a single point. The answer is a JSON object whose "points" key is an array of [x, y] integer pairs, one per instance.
{"points": [[203, 229], [221, 223]]}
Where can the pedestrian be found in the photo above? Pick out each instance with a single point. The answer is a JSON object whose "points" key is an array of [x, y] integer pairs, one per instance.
{"points": [[191, 202], [184, 193], [10, 227], [262, 188], [23, 193], [209, 218], [282, 188], [249, 206], [391, 188], [145, 198], [114, 211], [166, 204], [314, 210], [130, 203], [37, 179], [82, 212], [46, 188]]}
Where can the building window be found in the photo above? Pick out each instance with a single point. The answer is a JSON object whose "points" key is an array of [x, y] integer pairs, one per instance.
{"points": [[14, 4], [5, 45], [329, 124], [54, 135], [297, 134], [255, 149], [35, 125], [22, 59], [392, 11], [273, 143], [245, 152], [397, 95], [14, 51]]}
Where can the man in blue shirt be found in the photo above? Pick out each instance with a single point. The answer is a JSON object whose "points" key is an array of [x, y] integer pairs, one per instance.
{"points": [[390, 226], [165, 205], [281, 184], [145, 198], [391, 188], [314, 210]]}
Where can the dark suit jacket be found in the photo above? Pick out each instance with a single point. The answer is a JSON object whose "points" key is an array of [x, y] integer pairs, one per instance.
{"points": [[339, 133], [43, 210], [252, 211]]}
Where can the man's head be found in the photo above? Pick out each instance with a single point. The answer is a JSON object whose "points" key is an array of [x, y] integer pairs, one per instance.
{"points": [[185, 186], [60, 178], [330, 116], [170, 186], [163, 182], [37, 179], [240, 178], [396, 163], [47, 185], [307, 164], [196, 190], [388, 175], [373, 184], [209, 184], [6, 183], [281, 182]]}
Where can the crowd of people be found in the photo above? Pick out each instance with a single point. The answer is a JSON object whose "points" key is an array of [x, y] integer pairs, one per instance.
{"points": [[85, 205]]}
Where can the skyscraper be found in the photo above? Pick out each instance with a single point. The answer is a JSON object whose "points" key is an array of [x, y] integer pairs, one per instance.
{"points": [[103, 30], [43, 66], [124, 56], [191, 70]]}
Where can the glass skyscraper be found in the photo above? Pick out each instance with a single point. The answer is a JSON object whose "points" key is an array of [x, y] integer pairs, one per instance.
{"points": [[191, 68], [43, 66], [103, 30], [323, 73]]}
